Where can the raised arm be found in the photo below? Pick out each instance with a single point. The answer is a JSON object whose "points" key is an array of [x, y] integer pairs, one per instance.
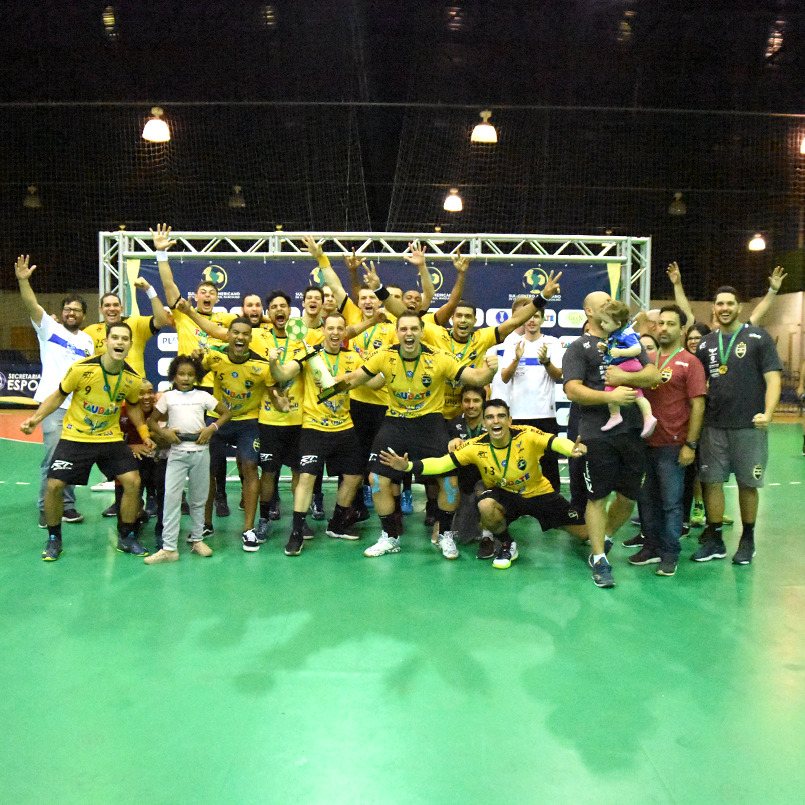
{"points": [[394, 306], [157, 308], [162, 243], [353, 263], [282, 372], [23, 272], [527, 311], [417, 259], [443, 314], [764, 305], [202, 322], [507, 373], [331, 279], [675, 275]]}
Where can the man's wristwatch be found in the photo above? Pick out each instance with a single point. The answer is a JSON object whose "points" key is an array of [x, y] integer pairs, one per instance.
{"points": [[692, 445]]}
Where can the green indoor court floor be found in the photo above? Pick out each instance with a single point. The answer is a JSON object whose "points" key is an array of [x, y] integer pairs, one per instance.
{"points": [[333, 678]]}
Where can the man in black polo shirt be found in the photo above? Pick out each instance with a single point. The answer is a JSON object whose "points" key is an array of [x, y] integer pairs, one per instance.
{"points": [[615, 458]]}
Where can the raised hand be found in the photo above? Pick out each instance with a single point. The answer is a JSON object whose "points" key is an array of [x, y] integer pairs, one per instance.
{"points": [[183, 305], [519, 349], [674, 274], [775, 280], [491, 360], [551, 285], [370, 278], [161, 237], [460, 262], [417, 257], [314, 248], [353, 262], [142, 283], [542, 353], [21, 268]]}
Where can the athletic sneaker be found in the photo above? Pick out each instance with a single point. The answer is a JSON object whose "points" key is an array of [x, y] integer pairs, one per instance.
{"points": [[368, 501], [407, 502], [307, 531], [384, 545], [340, 531], [130, 545], [261, 532], [637, 541], [274, 511], [447, 543], [112, 511], [362, 514], [727, 520], [250, 543], [607, 549], [151, 506], [685, 531], [697, 517], [602, 574], [712, 549], [635, 520], [745, 552], [162, 556], [295, 544], [505, 556], [486, 548], [52, 550], [645, 556], [43, 521], [221, 506], [200, 548], [317, 507], [667, 567], [72, 516], [207, 531]]}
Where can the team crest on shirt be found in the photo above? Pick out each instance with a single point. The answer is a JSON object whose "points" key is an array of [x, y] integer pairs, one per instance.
{"points": [[740, 350], [234, 374], [248, 384], [426, 380], [666, 374], [757, 472], [521, 464], [473, 355]]}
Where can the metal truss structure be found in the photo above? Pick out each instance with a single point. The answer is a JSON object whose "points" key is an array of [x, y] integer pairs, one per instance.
{"points": [[632, 254]]}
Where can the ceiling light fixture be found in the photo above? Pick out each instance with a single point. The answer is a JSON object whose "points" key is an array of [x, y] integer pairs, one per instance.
{"points": [[484, 132], [452, 201], [236, 200], [677, 206], [32, 200], [156, 130], [757, 244]]}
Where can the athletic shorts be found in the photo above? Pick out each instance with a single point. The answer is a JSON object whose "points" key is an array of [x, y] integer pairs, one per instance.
{"points": [[279, 444], [551, 509], [243, 435], [72, 461], [337, 448], [615, 463], [420, 437], [367, 419], [743, 451]]}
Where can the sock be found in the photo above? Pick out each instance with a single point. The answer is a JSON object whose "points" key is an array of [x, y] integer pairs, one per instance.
{"points": [[717, 530], [389, 523], [54, 531], [298, 522], [445, 520], [505, 538], [398, 504], [125, 530], [264, 508], [598, 557], [749, 532]]}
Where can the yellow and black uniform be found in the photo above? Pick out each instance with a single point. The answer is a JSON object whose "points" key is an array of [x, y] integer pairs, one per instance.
{"points": [[512, 475], [414, 423], [191, 336], [279, 430], [142, 328], [240, 386], [91, 431], [352, 314], [327, 431], [471, 353]]}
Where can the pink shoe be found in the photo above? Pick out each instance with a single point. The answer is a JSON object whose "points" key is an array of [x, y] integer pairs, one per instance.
{"points": [[649, 424], [613, 421]]}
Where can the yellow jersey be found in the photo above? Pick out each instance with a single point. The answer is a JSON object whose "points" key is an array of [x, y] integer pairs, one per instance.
{"points": [[239, 386], [292, 350], [94, 412], [142, 328], [332, 414], [351, 312], [364, 344], [416, 386]]}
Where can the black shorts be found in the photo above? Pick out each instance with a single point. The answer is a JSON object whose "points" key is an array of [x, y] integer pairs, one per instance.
{"points": [[551, 510], [279, 444], [367, 419], [243, 435], [420, 437], [615, 464], [72, 461], [337, 448]]}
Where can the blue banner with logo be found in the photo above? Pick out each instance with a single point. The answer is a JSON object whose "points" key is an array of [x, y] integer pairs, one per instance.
{"points": [[491, 286]]}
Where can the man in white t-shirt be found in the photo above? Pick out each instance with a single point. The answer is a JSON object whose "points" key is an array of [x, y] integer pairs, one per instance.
{"points": [[499, 389], [530, 370], [61, 343]]}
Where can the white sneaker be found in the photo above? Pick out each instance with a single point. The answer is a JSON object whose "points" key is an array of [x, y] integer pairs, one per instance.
{"points": [[384, 545], [250, 542], [447, 543], [505, 556]]}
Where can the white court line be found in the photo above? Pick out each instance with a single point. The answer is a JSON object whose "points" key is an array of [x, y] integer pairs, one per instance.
{"points": [[775, 484], [22, 483]]}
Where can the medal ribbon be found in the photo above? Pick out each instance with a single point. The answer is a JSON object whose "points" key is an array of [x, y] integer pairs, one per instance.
{"points": [[106, 385], [667, 361], [721, 352], [505, 468]]}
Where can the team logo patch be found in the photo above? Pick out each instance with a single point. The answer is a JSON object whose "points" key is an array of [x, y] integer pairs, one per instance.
{"points": [[521, 464], [757, 472], [666, 374], [305, 460], [740, 350], [57, 466], [256, 445], [534, 280], [248, 384], [234, 374], [215, 275], [426, 380]]}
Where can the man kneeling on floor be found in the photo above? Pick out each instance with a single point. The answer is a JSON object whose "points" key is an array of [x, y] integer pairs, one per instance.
{"points": [[507, 457]]}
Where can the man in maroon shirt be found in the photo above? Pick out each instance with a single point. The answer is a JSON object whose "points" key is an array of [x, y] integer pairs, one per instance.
{"points": [[678, 404]]}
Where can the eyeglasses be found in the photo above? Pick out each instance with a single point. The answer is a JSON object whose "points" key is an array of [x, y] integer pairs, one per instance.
{"points": [[73, 309]]}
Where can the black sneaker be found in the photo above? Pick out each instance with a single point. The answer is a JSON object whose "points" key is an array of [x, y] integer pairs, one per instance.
{"points": [[340, 531], [667, 567], [607, 548], [52, 550], [745, 552], [221, 507], [151, 506], [111, 511], [711, 549], [295, 544], [362, 514], [130, 545], [250, 543], [645, 556], [602, 574], [307, 531], [505, 556], [685, 531], [637, 541], [274, 512], [317, 507], [486, 549], [207, 531], [72, 516]]}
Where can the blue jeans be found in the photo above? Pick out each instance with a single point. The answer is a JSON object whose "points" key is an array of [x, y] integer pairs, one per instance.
{"points": [[51, 433], [661, 500]]}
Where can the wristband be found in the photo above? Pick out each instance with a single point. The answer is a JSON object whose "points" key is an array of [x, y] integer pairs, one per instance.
{"points": [[162, 256], [214, 424], [771, 290], [539, 301], [144, 432], [416, 467], [323, 261], [151, 293], [382, 293]]}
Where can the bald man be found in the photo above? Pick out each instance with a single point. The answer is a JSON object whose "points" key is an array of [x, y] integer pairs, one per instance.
{"points": [[615, 458]]}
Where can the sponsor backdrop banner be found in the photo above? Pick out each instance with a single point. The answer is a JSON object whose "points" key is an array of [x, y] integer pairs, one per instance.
{"points": [[18, 382], [492, 286]]}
